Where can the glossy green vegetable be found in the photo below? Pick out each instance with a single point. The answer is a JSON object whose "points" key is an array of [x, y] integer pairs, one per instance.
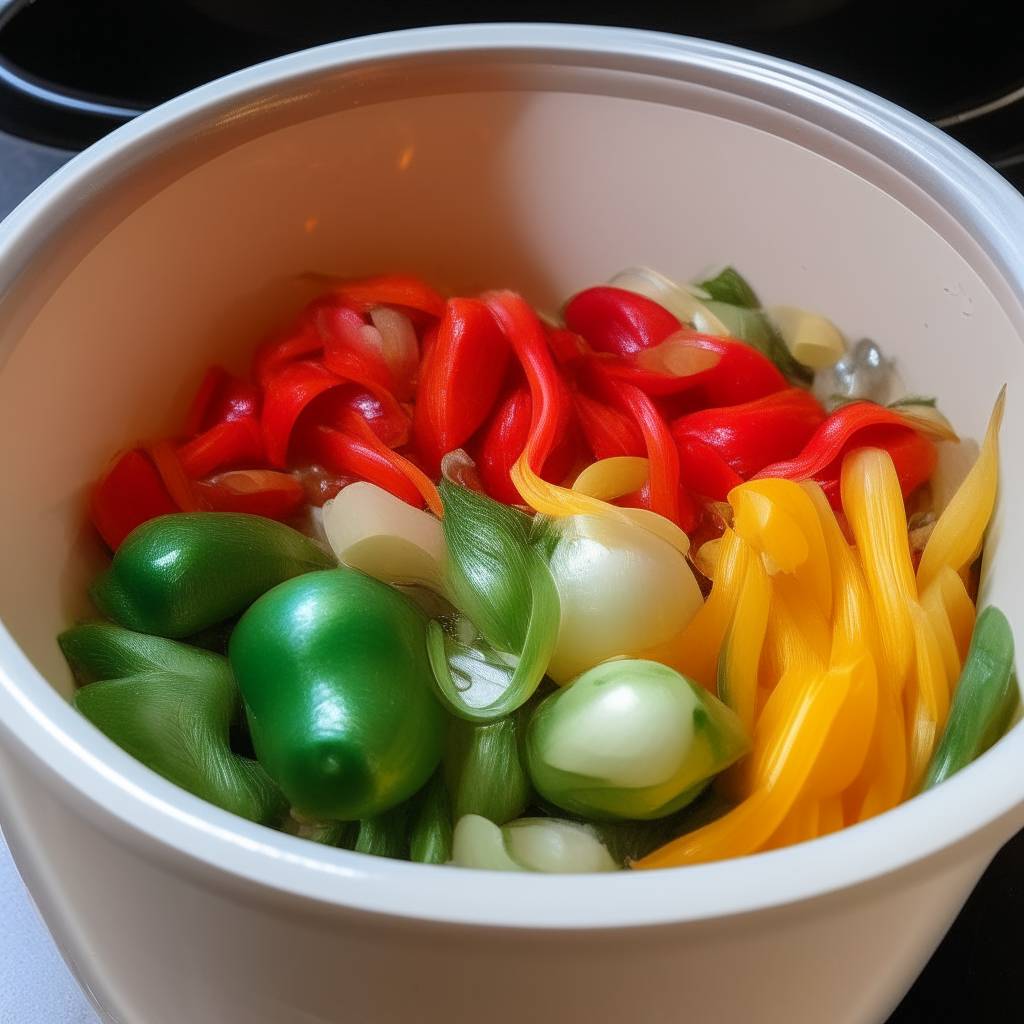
{"points": [[170, 706], [179, 574], [483, 768], [984, 702], [334, 672], [630, 739]]}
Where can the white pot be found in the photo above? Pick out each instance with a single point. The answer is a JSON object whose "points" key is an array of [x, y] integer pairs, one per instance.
{"points": [[541, 158]]}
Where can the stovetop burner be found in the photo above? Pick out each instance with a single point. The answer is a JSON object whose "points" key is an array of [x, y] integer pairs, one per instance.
{"points": [[71, 70]]}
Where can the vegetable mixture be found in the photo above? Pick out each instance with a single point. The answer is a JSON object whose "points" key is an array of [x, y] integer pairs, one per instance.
{"points": [[674, 578]]}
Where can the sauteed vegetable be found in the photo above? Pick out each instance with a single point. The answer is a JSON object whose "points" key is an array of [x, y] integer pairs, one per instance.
{"points": [[662, 581]]}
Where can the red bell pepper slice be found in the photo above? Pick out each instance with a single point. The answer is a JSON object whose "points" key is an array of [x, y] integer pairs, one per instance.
{"points": [[608, 432], [359, 451], [222, 398], [460, 376], [392, 290], [286, 395], [224, 444], [128, 494], [859, 425], [752, 435], [259, 492], [550, 411], [701, 371], [505, 438], [662, 456], [704, 471], [173, 475], [618, 321], [273, 356]]}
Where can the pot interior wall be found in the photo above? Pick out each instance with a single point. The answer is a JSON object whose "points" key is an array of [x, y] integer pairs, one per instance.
{"points": [[543, 192]]}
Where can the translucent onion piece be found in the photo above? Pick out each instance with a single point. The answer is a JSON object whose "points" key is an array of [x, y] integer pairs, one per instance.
{"points": [[705, 558], [478, 843], [958, 533], [621, 590], [373, 531], [926, 419], [812, 340], [556, 846], [630, 739], [611, 478], [399, 348], [677, 356], [678, 299], [874, 507], [458, 468]]}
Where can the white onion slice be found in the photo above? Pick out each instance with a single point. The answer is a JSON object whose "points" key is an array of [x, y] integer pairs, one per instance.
{"points": [[622, 590], [399, 347], [675, 297], [379, 534], [811, 339]]}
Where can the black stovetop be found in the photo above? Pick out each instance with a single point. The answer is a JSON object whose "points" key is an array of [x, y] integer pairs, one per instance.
{"points": [[71, 70]]}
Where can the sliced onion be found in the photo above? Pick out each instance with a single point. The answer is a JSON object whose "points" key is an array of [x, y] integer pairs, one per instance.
{"points": [[678, 299], [557, 846], [621, 588], [811, 339], [927, 419], [379, 534], [399, 347], [677, 356]]}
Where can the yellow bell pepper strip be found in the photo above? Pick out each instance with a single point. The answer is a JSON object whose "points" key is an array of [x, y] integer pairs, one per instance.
{"points": [[611, 478], [926, 699], [788, 757], [874, 507], [694, 652], [985, 700], [871, 722], [951, 614], [958, 533], [779, 520], [740, 656]]}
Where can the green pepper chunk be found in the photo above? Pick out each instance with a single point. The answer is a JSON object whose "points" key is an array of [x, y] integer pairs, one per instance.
{"points": [[334, 673], [985, 700], [171, 707], [179, 574]]}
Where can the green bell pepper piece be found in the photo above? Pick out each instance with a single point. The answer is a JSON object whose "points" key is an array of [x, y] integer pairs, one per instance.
{"points": [[334, 673], [984, 702], [171, 707], [179, 574]]}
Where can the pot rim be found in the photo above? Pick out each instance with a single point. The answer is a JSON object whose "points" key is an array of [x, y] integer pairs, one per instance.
{"points": [[68, 753]]}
